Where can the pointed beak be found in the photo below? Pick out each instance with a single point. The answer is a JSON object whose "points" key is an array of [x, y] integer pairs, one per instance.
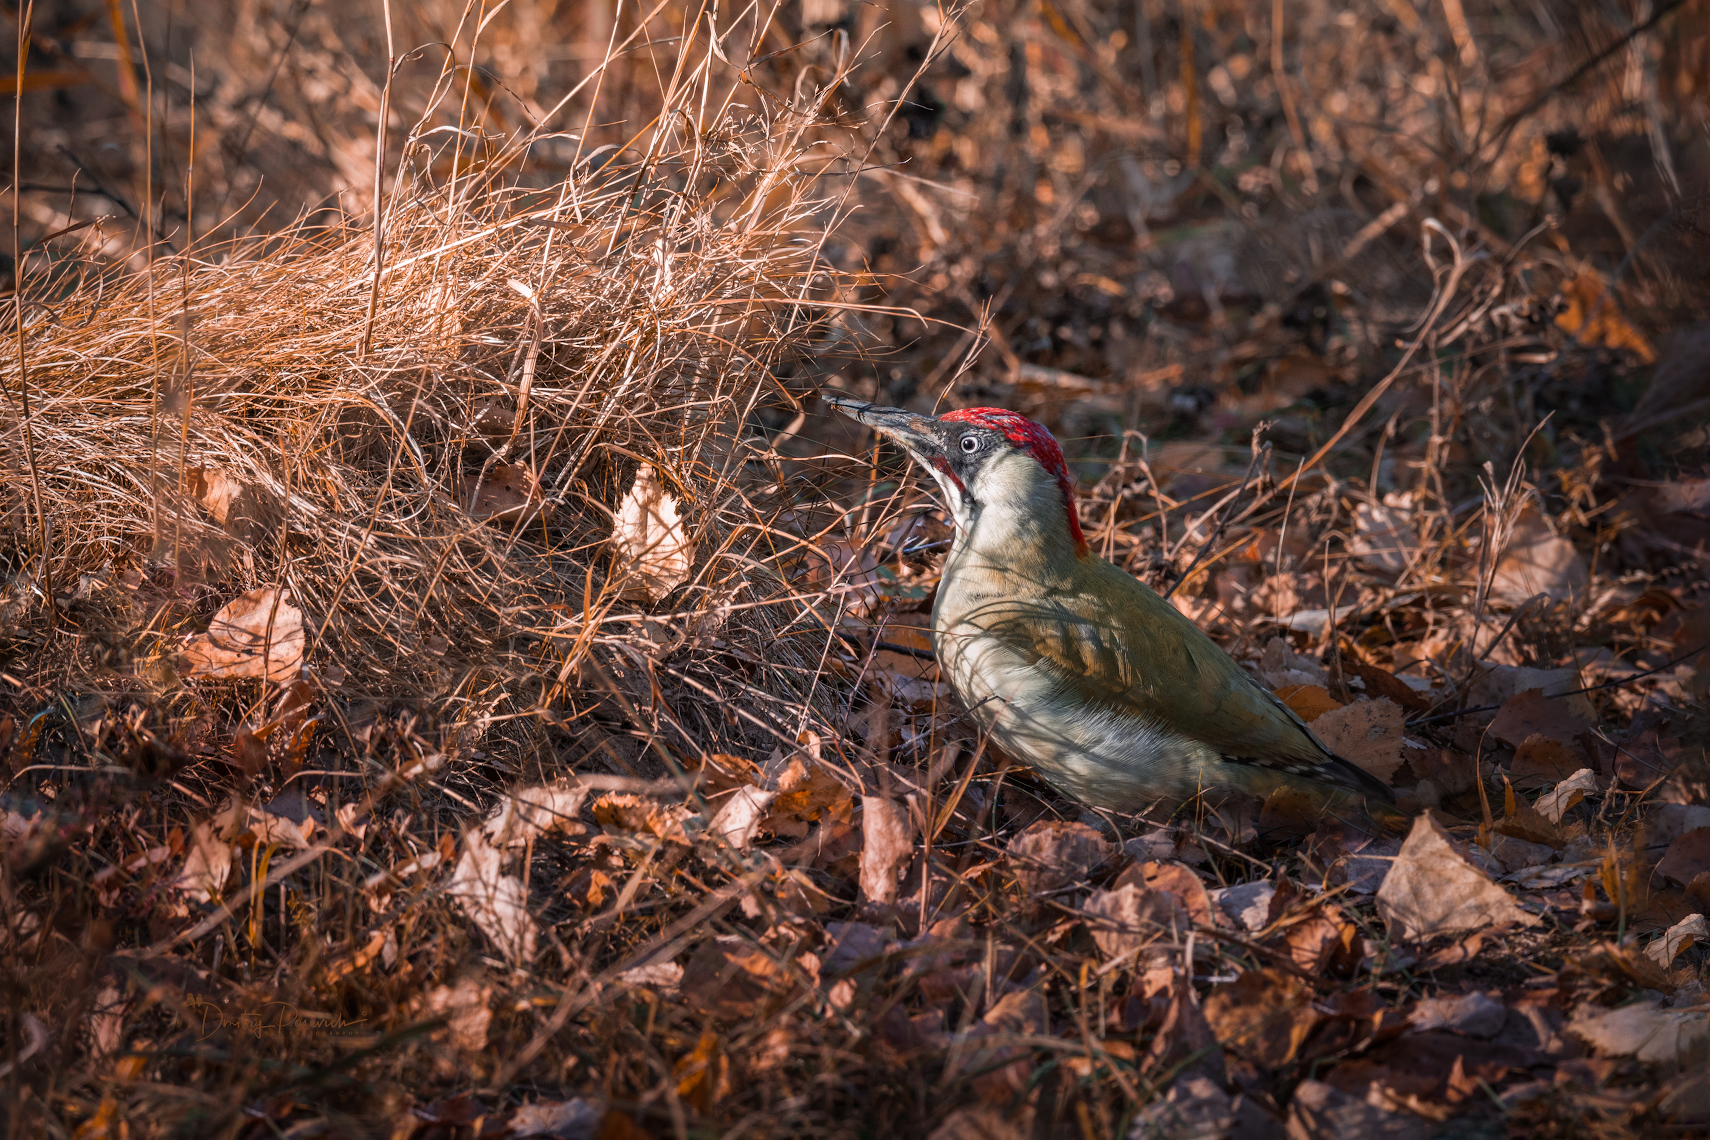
{"points": [[915, 433]]}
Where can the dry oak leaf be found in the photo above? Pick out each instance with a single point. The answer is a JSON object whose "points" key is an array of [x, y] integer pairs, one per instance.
{"points": [[887, 843], [1052, 854], [256, 634], [1130, 917], [741, 816], [494, 901], [1432, 889], [1175, 879], [1368, 734], [206, 865], [1523, 821], [652, 540]]}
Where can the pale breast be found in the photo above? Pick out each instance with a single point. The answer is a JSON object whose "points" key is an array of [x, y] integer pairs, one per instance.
{"points": [[1102, 755]]}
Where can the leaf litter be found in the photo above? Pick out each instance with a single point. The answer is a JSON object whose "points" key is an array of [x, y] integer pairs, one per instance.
{"points": [[599, 783]]}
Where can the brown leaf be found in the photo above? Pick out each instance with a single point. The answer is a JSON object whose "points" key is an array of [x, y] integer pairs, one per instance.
{"points": [[1593, 317], [652, 540], [733, 980], [1051, 854], [256, 634], [703, 1075], [1175, 879], [1544, 758], [1309, 702], [1186, 1037], [1530, 713], [1123, 920], [1687, 857], [640, 813], [507, 492], [1537, 561], [1367, 734], [1383, 683], [496, 902], [1319, 1111], [1432, 889], [887, 843], [1643, 1030], [1263, 1016], [1523, 821], [466, 1006], [1688, 932]]}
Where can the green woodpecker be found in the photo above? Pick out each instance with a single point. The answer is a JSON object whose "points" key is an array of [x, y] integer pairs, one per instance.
{"points": [[1073, 666]]}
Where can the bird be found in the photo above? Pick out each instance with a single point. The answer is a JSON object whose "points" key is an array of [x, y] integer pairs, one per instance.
{"points": [[1076, 668]]}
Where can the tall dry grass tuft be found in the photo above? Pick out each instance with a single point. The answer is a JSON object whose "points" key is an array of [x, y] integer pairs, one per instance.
{"points": [[434, 479]]}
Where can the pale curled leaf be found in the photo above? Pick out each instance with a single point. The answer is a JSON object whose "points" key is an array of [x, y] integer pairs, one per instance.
{"points": [[1554, 804], [651, 538], [494, 901], [887, 842], [741, 816], [466, 1008], [1643, 1030], [1688, 932], [257, 634], [1432, 889], [207, 863], [531, 812]]}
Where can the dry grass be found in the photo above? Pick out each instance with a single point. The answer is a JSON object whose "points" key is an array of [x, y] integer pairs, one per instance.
{"points": [[1364, 325]]}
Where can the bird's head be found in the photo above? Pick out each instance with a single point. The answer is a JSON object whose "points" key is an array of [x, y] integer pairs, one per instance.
{"points": [[985, 460]]}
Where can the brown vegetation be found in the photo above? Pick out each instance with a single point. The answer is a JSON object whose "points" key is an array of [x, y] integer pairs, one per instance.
{"points": [[455, 679]]}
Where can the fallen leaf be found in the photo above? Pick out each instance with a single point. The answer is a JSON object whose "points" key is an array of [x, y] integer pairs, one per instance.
{"points": [[1530, 713], [574, 1119], [1309, 702], [652, 540], [1523, 821], [1383, 683], [1687, 857], [1130, 917], [1263, 1016], [851, 946], [507, 492], [666, 976], [1643, 1030], [1432, 889], [1280, 667], [1175, 879], [1593, 317], [1185, 1039], [887, 843], [494, 901], [1247, 905], [466, 1009], [207, 864], [1365, 733], [1474, 1014], [1051, 854], [1319, 1110], [1683, 935], [703, 1075], [1538, 561], [1554, 804], [730, 978], [531, 812], [629, 812], [256, 634], [1383, 541], [1540, 757], [741, 816]]}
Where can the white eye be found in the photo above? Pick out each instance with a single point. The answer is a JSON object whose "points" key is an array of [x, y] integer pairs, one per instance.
{"points": [[970, 444]]}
